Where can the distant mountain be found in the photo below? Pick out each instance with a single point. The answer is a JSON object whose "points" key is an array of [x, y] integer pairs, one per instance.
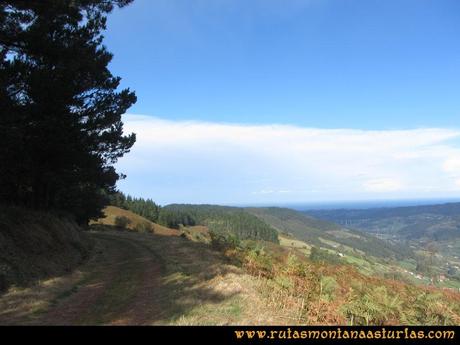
{"points": [[325, 233], [419, 223]]}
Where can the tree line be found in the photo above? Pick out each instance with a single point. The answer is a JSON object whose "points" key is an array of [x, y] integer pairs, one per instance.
{"points": [[146, 208], [219, 219]]}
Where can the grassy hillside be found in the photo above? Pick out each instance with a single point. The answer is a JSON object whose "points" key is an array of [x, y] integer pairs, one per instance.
{"points": [[326, 234], [135, 221], [36, 245], [309, 292]]}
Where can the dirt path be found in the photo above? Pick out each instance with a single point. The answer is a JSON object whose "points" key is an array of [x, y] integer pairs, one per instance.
{"points": [[120, 290], [117, 286], [141, 279]]}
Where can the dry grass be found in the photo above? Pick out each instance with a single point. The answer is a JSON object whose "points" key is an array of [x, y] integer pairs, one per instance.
{"points": [[19, 305], [163, 278], [112, 212], [195, 285], [36, 245]]}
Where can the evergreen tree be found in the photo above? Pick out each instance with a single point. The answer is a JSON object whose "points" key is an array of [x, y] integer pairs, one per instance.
{"points": [[143, 207], [60, 107], [219, 219]]}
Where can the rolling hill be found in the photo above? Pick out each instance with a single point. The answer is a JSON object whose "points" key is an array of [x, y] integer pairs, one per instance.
{"points": [[417, 227], [135, 221], [326, 234], [233, 221], [427, 222], [431, 231]]}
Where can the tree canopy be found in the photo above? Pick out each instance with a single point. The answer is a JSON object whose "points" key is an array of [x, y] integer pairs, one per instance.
{"points": [[219, 219], [146, 208], [60, 106]]}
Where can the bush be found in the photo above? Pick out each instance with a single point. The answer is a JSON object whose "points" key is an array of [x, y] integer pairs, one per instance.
{"points": [[144, 227], [259, 263], [294, 266], [328, 287], [224, 241], [122, 222], [323, 256]]}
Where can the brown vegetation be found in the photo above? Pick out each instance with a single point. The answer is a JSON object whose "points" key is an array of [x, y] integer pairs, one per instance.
{"points": [[36, 245], [135, 222]]}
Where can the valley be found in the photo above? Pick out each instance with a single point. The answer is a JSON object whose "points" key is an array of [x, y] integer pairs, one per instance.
{"points": [[431, 232]]}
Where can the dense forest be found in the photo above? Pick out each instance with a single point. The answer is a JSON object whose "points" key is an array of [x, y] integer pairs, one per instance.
{"points": [[60, 107], [143, 207], [219, 219]]}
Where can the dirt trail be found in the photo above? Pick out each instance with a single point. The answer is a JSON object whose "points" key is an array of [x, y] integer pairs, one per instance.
{"points": [[141, 279], [118, 286], [121, 290]]}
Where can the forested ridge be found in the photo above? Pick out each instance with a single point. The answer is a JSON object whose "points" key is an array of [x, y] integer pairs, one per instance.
{"points": [[232, 221], [219, 219], [146, 208]]}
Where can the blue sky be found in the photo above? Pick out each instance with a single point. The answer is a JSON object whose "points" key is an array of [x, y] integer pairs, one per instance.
{"points": [[312, 70]]}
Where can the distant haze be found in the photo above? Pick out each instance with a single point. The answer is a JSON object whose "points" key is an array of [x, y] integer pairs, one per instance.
{"points": [[212, 162], [357, 204]]}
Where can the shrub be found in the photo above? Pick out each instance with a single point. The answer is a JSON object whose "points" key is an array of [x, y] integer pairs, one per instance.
{"points": [[144, 227], [122, 222], [294, 266], [259, 263], [328, 288], [222, 241], [320, 255]]}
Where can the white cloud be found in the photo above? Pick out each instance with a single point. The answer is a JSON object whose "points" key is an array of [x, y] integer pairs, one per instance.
{"points": [[383, 185], [452, 165], [188, 161]]}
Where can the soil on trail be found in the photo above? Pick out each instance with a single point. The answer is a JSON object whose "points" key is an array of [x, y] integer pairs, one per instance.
{"points": [[117, 286], [142, 279], [120, 290]]}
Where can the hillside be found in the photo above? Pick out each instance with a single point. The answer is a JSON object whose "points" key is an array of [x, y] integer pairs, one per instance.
{"points": [[427, 222], [137, 278], [431, 231], [38, 245], [326, 234], [136, 222], [419, 227], [232, 221]]}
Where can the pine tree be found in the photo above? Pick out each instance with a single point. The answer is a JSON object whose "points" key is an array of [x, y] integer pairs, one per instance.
{"points": [[60, 108]]}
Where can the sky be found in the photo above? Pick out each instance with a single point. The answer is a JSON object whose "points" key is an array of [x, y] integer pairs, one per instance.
{"points": [[276, 101]]}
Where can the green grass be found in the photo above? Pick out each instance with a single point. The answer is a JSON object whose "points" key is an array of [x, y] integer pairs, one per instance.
{"points": [[291, 242]]}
